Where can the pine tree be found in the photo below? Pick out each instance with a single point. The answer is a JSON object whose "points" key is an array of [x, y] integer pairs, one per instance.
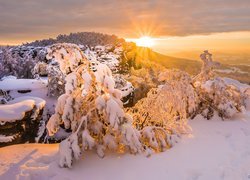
{"points": [[92, 109]]}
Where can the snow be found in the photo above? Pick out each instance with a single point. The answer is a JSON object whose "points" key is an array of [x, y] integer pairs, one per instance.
{"points": [[87, 140], [131, 138], [111, 60], [109, 83], [38, 91], [236, 83], [8, 77], [21, 84], [114, 112], [127, 89], [39, 102], [215, 150], [71, 82], [123, 85], [4, 138], [207, 85], [67, 148], [87, 80], [16, 111], [231, 70]]}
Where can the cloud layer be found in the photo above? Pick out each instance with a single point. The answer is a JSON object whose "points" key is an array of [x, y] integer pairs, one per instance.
{"points": [[36, 19]]}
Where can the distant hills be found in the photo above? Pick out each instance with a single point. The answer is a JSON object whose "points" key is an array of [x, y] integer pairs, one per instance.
{"points": [[84, 38]]}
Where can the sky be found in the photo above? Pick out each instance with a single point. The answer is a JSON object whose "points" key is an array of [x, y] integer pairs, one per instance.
{"points": [[168, 21]]}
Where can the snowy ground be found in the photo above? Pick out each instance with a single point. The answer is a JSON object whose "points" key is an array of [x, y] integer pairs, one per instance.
{"points": [[216, 150]]}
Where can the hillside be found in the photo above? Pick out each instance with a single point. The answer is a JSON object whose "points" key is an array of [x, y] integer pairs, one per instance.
{"points": [[188, 65]]}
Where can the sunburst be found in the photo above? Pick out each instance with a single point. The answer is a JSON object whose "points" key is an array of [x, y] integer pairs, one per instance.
{"points": [[145, 41]]}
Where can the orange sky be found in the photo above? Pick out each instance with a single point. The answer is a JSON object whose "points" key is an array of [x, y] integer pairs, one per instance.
{"points": [[225, 42]]}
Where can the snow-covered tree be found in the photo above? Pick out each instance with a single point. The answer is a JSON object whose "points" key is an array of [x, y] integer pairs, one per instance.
{"points": [[26, 64], [9, 63], [207, 67], [2, 73], [19, 61], [56, 78], [56, 81], [92, 109], [169, 105], [40, 69], [214, 93]]}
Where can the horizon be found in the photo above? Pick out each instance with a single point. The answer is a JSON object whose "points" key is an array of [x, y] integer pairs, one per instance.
{"points": [[224, 42]]}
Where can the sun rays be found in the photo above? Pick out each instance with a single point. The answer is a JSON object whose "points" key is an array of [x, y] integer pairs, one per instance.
{"points": [[145, 41]]}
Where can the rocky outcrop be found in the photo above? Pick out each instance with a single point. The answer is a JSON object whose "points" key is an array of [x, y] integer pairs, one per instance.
{"points": [[24, 129]]}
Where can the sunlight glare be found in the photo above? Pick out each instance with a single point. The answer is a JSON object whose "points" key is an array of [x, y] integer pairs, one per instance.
{"points": [[145, 41]]}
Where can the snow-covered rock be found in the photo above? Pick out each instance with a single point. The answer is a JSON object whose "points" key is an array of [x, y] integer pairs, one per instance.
{"points": [[15, 111], [19, 120]]}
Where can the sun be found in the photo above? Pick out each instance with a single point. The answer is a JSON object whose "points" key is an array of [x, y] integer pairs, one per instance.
{"points": [[145, 41]]}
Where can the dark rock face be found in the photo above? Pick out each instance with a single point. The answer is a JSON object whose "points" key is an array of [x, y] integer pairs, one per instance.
{"points": [[24, 130]]}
